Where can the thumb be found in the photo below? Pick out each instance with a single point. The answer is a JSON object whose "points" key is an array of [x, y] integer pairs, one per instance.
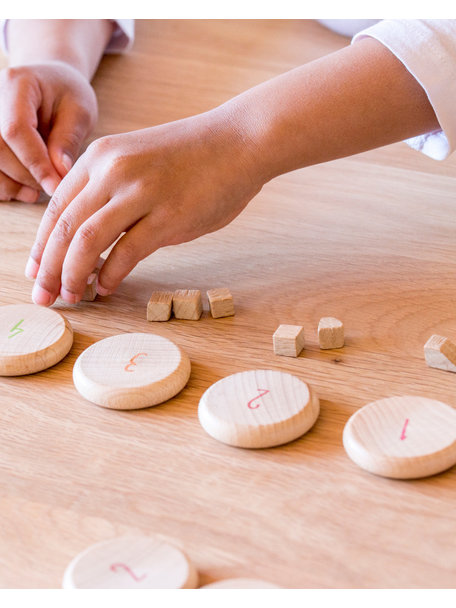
{"points": [[72, 124]]}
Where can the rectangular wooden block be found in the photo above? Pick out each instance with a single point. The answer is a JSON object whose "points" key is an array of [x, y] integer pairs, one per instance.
{"points": [[288, 340], [159, 306], [187, 304], [330, 333], [220, 302], [440, 352], [90, 292]]}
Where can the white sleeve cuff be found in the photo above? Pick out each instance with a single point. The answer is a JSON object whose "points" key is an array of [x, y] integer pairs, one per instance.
{"points": [[121, 40], [3, 28], [427, 48], [123, 36]]}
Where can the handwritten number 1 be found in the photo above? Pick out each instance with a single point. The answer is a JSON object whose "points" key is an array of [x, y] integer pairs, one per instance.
{"points": [[403, 435]]}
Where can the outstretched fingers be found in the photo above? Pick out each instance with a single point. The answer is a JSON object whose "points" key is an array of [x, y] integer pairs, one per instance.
{"points": [[68, 190], [142, 239], [98, 233], [73, 225]]}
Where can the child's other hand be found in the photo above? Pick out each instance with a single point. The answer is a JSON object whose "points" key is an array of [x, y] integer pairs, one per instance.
{"points": [[46, 112], [160, 186]]}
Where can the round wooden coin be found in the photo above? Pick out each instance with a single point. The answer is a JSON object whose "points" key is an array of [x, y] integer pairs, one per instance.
{"points": [[131, 563], [240, 583], [402, 437], [32, 338], [131, 371], [258, 409]]}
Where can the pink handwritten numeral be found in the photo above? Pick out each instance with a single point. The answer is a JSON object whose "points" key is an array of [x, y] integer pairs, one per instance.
{"points": [[116, 567], [263, 392], [403, 436], [133, 363]]}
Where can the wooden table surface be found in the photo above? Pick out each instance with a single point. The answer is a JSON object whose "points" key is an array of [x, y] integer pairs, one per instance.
{"points": [[370, 240]]}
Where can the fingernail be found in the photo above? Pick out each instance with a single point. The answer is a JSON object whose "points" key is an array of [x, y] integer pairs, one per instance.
{"points": [[69, 296], [31, 269], [49, 185], [27, 195], [67, 161], [41, 296], [102, 291]]}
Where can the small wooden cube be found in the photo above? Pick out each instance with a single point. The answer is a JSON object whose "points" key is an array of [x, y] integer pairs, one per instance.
{"points": [[440, 352], [159, 306], [220, 302], [90, 292], [288, 340], [330, 333], [187, 304]]}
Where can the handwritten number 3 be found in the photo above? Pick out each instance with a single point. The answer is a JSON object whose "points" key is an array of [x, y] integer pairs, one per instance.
{"points": [[132, 362]]}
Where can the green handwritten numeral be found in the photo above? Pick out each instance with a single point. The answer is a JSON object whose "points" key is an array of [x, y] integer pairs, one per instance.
{"points": [[16, 329]]}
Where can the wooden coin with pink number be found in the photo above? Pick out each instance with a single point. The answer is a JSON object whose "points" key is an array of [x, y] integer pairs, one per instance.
{"points": [[131, 371], [138, 562], [402, 437], [258, 409]]}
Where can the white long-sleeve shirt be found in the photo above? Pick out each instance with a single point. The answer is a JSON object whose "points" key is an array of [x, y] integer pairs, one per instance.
{"points": [[121, 39], [426, 47]]}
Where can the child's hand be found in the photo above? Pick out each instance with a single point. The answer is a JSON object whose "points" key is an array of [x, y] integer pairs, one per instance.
{"points": [[160, 186], [46, 112]]}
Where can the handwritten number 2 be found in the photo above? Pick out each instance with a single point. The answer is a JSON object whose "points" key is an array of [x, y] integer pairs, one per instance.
{"points": [[253, 406]]}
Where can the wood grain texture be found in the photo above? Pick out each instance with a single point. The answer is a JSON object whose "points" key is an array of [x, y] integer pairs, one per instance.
{"points": [[369, 239], [32, 338], [240, 583], [131, 562], [402, 437], [131, 371], [258, 409]]}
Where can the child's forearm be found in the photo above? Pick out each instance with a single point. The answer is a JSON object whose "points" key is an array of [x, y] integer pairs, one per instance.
{"points": [[77, 42], [172, 183], [356, 99]]}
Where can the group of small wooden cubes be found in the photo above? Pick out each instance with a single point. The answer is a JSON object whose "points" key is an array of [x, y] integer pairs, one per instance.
{"points": [[288, 340], [188, 304]]}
